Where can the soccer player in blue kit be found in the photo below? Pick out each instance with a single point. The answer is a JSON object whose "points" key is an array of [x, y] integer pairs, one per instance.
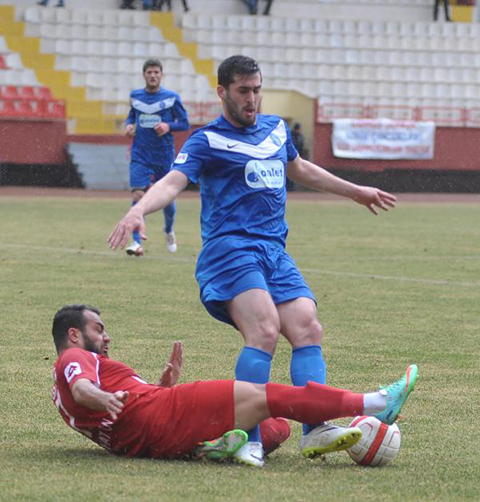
{"points": [[154, 114], [245, 276]]}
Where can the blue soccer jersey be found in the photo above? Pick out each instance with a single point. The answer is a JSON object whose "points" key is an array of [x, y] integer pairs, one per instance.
{"points": [[147, 110], [242, 175]]}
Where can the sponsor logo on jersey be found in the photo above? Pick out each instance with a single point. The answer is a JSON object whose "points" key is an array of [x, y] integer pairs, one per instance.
{"points": [[149, 121], [264, 174], [71, 370], [181, 158]]}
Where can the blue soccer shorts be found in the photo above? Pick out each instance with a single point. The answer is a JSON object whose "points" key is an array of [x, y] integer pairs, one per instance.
{"points": [[143, 176], [232, 265]]}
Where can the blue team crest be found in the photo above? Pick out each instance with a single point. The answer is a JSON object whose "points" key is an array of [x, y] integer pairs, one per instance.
{"points": [[265, 174], [275, 139]]}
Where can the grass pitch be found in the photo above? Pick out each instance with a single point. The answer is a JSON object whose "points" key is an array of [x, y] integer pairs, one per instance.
{"points": [[400, 288]]}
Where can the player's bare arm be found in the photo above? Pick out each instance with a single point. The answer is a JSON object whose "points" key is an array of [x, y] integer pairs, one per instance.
{"points": [[312, 176], [87, 394], [171, 373], [158, 196]]}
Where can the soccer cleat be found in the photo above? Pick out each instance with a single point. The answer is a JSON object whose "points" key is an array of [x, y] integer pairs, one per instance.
{"points": [[328, 438], [171, 241], [397, 394], [135, 249], [223, 447], [251, 453]]}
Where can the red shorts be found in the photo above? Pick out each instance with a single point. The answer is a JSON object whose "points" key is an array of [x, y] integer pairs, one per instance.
{"points": [[180, 417]]}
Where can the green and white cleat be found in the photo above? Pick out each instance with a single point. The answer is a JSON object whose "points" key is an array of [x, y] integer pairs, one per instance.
{"points": [[223, 447], [397, 394], [328, 438]]}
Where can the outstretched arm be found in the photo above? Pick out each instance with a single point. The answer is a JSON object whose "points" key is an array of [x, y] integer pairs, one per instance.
{"points": [[312, 176], [171, 373], [160, 195], [87, 394]]}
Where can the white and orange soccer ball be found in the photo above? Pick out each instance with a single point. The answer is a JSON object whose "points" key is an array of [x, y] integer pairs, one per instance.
{"points": [[379, 445]]}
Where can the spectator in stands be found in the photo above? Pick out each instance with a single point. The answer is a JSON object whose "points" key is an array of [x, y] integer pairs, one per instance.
{"points": [[266, 12], [158, 5], [445, 6], [44, 3], [128, 4], [253, 6], [298, 140]]}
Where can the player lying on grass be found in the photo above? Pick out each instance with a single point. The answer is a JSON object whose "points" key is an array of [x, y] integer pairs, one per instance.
{"points": [[109, 403]]}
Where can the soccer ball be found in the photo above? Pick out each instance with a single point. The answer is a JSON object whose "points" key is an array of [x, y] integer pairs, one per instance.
{"points": [[379, 445]]}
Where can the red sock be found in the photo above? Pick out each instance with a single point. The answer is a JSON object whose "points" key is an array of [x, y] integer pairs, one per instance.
{"points": [[313, 403]]}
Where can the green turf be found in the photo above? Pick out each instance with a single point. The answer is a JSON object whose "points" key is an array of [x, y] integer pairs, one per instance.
{"points": [[399, 288]]}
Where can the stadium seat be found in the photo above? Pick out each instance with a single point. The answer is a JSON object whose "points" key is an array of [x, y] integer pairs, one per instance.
{"points": [[27, 92], [10, 92], [46, 15], [32, 15], [63, 16], [7, 108], [79, 16], [44, 93]]}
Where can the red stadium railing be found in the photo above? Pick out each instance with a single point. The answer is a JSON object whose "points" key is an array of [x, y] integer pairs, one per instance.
{"points": [[442, 115]]}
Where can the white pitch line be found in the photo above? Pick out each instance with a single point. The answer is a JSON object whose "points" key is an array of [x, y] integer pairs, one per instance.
{"points": [[119, 255], [440, 282], [108, 254]]}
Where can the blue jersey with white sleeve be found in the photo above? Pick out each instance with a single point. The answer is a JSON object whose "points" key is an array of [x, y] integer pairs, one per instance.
{"points": [[147, 110], [242, 175]]}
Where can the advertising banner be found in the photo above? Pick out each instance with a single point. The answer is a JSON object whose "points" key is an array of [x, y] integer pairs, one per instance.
{"points": [[382, 139]]}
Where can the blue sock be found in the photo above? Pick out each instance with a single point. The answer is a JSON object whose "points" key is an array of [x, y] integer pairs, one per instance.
{"points": [[253, 365], [308, 366], [135, 234], [169, 215]]}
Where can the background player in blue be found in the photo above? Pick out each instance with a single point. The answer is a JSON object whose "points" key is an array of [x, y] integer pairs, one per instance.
{"points": [[154, 114], [245, 276]]}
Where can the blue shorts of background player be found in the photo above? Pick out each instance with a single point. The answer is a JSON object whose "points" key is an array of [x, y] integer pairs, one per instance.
{"points": [[142, 177]]}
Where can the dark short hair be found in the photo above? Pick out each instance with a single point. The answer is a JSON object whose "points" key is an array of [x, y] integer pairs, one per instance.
{"points": [[235, 66], [152, 62], [69, 316]]}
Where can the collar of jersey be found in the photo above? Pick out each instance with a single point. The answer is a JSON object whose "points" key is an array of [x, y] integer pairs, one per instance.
{"points": [[262, 150]]}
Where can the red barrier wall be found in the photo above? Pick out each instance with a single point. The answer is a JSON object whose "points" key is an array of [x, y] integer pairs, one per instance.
{"points": [[456, 148], [42, 141], [33, 141]]}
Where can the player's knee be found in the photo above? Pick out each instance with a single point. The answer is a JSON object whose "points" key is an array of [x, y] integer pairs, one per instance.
{"points": [[311, 333], [315, 333], [269, 336], [137, 195], [265, 336]]}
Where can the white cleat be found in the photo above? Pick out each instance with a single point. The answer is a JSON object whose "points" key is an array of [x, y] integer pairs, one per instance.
{"points": [[251, 453], [171, 241], [135, 249], [328, 438]]}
